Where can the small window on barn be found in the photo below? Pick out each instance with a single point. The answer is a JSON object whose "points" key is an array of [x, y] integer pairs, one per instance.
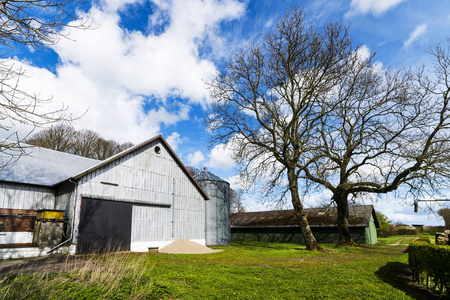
{"points": [[2, 224], [157, 150]]}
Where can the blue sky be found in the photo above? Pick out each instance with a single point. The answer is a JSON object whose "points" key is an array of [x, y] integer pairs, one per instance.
{"points": [[140, 70]]}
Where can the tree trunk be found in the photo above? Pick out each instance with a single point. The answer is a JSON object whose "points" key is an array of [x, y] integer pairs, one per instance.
{"points": [[310, 240], [342, 220]]}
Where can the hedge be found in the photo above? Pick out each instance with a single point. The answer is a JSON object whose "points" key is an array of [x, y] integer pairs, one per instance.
{"points": [[432, 261], [407, 231]]}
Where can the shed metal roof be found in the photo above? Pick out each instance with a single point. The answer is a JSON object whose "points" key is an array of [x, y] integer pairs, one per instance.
{"points": [[41, 166], [317, 217]]}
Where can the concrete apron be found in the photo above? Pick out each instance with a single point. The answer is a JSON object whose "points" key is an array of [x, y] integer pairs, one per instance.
{"points": [[24, 252]]}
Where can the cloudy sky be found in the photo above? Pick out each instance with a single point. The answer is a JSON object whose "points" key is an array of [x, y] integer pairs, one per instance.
{"points": [[141, 68]]}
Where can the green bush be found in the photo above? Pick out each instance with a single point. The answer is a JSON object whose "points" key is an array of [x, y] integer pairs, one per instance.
{"points": [[387, 230], [425, 238], [431, 260], [406, 231]]}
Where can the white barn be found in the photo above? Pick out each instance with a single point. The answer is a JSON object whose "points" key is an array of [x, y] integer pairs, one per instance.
{"points": [[138, 199]]}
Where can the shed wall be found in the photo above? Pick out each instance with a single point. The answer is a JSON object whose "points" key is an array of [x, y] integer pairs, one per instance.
{"points": [[371, 232], [294, 235]]}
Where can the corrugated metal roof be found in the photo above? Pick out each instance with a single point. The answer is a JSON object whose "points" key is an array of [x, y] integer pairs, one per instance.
{"points": [[43, 166], [206, 175], [317, 217], [49, 167]]}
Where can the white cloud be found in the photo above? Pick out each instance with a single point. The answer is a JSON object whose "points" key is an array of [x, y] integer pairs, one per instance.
{"points": [[252, 204], [419, 31], [375, 7], [132, 82], [174, 140], [195, 159], [235, 182], [402, 211], [114, 5], [221, 158], [363, 53]]}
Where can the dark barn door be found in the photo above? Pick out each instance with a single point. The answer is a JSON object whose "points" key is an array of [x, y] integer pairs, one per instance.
{"points": [[104, 226]]}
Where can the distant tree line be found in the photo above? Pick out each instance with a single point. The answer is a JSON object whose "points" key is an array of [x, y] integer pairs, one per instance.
{"points": [[87, 143]]}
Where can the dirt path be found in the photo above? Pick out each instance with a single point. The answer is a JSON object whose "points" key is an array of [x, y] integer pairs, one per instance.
{"points": [[399, 242]]}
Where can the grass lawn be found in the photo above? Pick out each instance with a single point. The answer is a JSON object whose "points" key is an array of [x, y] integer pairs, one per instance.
{"points": [[247, 270], [402, 239]]}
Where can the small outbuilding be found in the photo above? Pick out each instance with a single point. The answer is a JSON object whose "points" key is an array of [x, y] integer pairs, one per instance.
{"points": [[282, 225], [139, 199]]}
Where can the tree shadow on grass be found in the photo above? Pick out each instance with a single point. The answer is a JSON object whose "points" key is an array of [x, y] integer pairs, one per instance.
{"points": [[399, 276], [56, 263]]}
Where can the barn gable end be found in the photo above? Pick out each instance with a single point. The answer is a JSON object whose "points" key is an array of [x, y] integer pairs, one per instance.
{"points": [[148, 180]]}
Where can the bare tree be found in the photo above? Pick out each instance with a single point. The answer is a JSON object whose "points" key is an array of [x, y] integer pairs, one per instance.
{"points": [[236, 201], [36, 24], [193, 170], [62, 137], [445, 214], [57, 137], [306, 107], [382, 131], [264, 103]]}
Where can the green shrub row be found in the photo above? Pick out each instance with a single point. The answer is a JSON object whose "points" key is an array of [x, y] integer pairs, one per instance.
{"points": [[386, 230], [407, 231], [430, 264], [424, 238]]}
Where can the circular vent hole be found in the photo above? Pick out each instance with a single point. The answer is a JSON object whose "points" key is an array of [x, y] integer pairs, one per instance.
{"points": [[157, 150]]}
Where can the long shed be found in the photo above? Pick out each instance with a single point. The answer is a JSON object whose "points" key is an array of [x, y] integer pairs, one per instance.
{"points": [[138, 199], [282, 225]]}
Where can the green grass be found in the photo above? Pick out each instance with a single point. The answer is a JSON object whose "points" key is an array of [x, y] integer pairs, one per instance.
{"points": [[247, 270], [404, 239]]}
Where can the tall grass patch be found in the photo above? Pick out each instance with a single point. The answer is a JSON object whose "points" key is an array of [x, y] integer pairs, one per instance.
{"points": [[106, 276]]}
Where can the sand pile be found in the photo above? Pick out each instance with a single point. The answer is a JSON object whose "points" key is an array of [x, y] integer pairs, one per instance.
{"points": [[184, 246]]}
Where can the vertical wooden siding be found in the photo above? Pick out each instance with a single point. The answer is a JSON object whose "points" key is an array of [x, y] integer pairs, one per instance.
{"points": [[64, 196], [22, 196], [147, 176], [151, 224]]}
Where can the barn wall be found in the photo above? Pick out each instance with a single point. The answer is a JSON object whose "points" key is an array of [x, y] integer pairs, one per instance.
{"points": [[64, 197], [14, 196], [158, 189], [24, 196]]}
